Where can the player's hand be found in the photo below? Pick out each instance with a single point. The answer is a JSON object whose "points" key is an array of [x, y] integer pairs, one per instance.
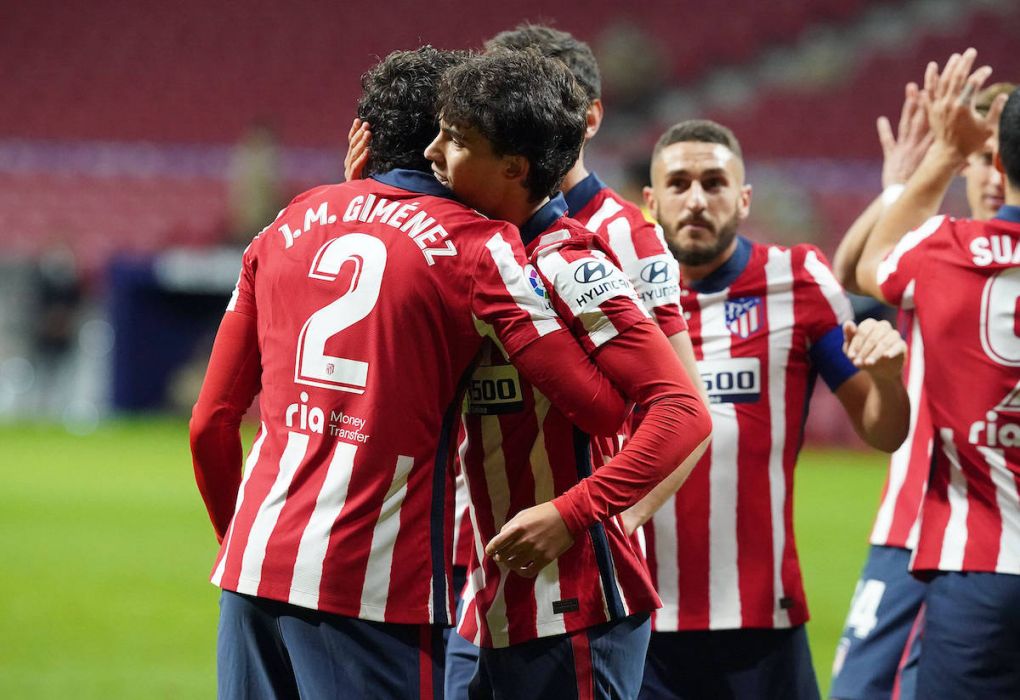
{"points": [[948, 99], [531, 540], [903, 152], [358, 139], [875, 347]]}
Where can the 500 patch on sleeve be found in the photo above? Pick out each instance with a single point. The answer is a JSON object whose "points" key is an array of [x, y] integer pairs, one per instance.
{"points": [[732, 380], [494, 389]]}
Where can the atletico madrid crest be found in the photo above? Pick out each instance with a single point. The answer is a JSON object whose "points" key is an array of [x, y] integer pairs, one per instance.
{"points": [[743, 316]]}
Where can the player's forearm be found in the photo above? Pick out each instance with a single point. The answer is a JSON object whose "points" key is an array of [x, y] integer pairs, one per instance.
{"points": [[642, 363], [848, 253], [216, 457], [642, 511], [672, 429], [231, 383], [921, 199], [885, 419]]}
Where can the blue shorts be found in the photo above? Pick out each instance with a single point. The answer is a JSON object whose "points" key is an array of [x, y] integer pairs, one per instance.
{"points": [[737, 664], [273, 650], [971, 637], [597, 663], [874, 643]]}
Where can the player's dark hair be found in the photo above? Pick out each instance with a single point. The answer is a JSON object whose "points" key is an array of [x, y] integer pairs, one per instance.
{"points": [[398, 100], [555, 44], [523, 104], [1009, 139], [699, 131]]}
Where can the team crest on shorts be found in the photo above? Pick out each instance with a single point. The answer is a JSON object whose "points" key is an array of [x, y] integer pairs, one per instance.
{"points": [[743, 316]]}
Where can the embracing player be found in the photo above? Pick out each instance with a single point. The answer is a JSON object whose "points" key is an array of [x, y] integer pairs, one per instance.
{"points": [[580, 625], [358, 313], [969, 538]]}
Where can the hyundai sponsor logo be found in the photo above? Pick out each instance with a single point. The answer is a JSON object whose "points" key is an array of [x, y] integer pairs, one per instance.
{"points": [[591, 272], [656, 272]]}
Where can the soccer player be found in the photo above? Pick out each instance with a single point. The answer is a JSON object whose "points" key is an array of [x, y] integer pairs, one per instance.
{"points": [[969, 535], [880, 644], [580, 626], [764, 320], [358, 314]]}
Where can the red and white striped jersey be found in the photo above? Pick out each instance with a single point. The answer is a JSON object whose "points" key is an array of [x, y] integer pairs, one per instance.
{"points": [[722, 550], [641, 253], [897, 521], [521, 451], [970, 517], [638, 245], [372, 299]]}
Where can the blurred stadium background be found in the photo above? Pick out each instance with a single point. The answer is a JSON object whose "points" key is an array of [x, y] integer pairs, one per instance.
{"points": [[142, 143]]}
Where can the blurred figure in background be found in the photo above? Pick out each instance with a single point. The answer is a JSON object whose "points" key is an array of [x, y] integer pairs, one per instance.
{"points": [[255, 192], [58, 298]]}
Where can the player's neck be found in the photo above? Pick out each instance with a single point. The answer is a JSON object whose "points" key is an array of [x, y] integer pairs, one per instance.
{"points": [[1012, 197], [575, 175], [518, 210], [696, 273]]}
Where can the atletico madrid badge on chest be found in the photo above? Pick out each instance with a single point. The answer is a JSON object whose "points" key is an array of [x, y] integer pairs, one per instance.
{"points": [[744, 316]]}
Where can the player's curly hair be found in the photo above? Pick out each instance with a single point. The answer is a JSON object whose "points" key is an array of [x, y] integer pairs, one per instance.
{"points": [[1009, 139], [524, 104], [398, 100], [698, 131], [576, 54]]}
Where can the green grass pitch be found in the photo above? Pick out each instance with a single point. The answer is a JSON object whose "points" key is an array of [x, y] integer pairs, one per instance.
{"points": [[106, 550]]}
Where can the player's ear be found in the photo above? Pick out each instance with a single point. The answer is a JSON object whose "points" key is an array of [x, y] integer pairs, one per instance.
{"points": [[515, 167], [649, 196], [998, 165], [744, 203], [593, 118]]}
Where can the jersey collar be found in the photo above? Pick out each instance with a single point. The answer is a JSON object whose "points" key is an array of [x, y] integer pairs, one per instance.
{"points": [[727, 273], [543, 219], [1010, 213], [583, 192], [414, 181]]}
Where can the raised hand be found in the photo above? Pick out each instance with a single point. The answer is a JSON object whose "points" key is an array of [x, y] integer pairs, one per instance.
{"points": [[903, 152], [948, 99], [358, 139]]}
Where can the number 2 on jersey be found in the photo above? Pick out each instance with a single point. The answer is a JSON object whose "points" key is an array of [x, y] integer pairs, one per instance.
{"points": [[314, 367]]}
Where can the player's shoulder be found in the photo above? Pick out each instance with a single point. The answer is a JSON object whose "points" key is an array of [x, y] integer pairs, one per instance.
{"points": [[568, 238], [994, 243]]}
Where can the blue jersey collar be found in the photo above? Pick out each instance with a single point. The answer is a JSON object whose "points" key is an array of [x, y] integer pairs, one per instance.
{"points": [[414, 181], [1010, 213], [583, 192], [543, 219], [727, 273]]}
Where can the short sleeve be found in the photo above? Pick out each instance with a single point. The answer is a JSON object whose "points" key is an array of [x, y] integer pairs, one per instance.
{"points": [[900, 269], [821, 302], [588, 289], [242, 300], [508, 297]]}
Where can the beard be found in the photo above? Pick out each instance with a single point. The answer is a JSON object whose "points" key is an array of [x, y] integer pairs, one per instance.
{"points": [[693, 257]]}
